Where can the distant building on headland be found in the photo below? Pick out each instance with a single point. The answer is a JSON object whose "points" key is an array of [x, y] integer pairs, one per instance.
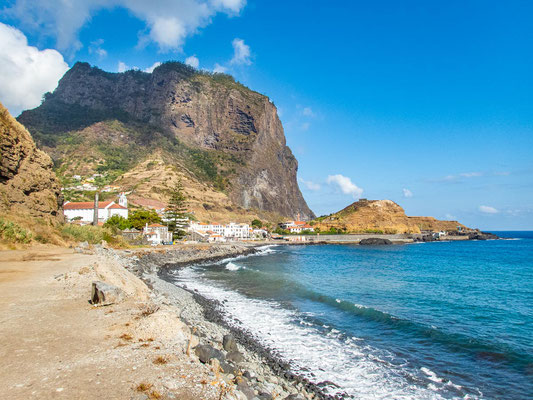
{"points": [[84, 211]]}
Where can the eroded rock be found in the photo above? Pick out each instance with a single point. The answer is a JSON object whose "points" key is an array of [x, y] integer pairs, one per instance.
{"points": [[104, 294]]}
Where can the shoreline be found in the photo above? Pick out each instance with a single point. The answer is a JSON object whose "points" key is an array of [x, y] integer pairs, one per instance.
{"points": [[284, 382]]}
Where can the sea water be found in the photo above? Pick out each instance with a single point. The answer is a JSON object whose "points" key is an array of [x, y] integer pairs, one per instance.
{"points": [[417, 321]]}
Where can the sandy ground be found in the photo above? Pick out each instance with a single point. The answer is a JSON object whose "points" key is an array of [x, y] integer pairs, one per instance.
{"points": [[55, 345]]}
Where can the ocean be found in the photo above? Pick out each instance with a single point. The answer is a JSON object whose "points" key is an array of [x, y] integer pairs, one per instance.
{"points": [[417, 321]]}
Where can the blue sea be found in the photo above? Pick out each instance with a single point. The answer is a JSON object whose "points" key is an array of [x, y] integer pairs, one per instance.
{"points": [[417, 321]]}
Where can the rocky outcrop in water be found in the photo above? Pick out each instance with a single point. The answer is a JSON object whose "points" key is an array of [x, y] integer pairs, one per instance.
{"points": [[28, 185]]}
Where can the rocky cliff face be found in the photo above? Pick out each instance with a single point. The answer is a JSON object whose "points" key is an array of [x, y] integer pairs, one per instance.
{"points": [[208, 124], [28, 184], [383, 216]]}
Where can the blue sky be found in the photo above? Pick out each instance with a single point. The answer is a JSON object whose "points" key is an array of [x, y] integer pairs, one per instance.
{"points": [[429, 104]]}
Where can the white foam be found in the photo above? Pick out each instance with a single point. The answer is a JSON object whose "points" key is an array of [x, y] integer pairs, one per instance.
{"points": [[234, 267], [432, 376], [360, 371], [261, 250]]}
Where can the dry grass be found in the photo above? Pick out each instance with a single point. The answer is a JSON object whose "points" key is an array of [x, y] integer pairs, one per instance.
{"points": [[143, 387], [149, 310], [155, 395], [160, 360]]}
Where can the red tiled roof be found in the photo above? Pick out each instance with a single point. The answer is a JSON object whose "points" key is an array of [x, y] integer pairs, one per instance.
{"points": [[118, 206], [156, 226], [85, 205]]}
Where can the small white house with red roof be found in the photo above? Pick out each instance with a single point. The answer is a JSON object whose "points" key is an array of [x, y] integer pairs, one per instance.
{"points": [[84, 210], [157, 234]]}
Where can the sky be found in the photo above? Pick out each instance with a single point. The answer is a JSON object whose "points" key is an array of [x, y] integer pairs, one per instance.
{"points": [[426, 103]]}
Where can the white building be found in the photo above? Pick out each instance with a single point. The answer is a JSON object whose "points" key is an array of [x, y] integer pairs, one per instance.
{"points": [[295, 226], [232, 231], [157, 234], [84, 211]]}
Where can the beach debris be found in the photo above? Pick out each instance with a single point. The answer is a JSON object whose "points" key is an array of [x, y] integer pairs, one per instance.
{"points": [[104, 294]]}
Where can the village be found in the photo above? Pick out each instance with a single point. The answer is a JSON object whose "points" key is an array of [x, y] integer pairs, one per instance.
{"points": [[158, 233]]}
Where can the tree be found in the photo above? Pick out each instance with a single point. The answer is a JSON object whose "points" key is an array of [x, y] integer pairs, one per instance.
{"points": [[176, 211], [138, 219], [257, 224], [117, 221]]}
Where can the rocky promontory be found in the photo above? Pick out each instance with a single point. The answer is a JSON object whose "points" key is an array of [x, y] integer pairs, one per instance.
{"points": [[381, 216], [28, 184]]}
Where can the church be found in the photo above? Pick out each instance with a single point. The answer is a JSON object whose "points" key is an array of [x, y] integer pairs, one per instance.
{"points": [[84, 211]]}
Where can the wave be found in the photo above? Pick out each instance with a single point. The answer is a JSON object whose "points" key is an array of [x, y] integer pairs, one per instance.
{"points": [[318, 353], [234, 267], [455, 341]]}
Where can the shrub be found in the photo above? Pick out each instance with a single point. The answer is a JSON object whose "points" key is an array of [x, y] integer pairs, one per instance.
{"points": [[14, 233]]}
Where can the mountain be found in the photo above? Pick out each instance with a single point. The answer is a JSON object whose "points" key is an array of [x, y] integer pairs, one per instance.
{"points": [[383, 216], [142, 131], [28, 185]]}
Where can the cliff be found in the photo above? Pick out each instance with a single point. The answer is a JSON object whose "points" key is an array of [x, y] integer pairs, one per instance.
{"points": [[383, 216], [206, 127], [28, 185]]}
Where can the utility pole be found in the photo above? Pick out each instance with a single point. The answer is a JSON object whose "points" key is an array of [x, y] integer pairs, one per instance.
{"points": [[95, 215]]}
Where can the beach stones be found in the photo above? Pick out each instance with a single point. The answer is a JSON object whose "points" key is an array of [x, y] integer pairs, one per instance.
{"points": [[229, 343], [103, 294], [206, 352], [235, 356]]}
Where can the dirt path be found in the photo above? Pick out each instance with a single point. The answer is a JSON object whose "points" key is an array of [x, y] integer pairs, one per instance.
{"points": [[55, 345]]}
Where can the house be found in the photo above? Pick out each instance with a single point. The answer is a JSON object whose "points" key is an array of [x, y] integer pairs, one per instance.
{"points": [[295, 226], [215, 237], [84, 211], [299, 228], [157, 234]]}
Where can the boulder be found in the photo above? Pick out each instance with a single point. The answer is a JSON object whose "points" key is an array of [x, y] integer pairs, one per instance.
{"points": [[228, 368], [235, 356], [243, 387], [206, 352], [104, 294], [374, 242], [229, 343]]}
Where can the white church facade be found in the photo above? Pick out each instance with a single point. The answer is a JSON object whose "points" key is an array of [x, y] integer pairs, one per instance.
{"points": [[84, 211]]}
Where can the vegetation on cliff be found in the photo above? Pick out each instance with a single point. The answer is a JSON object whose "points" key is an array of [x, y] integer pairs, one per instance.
{"points": [[379, 216], [215, 133]]}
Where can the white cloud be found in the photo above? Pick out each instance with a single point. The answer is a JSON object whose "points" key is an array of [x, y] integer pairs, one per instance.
{"points": [[488, 210], [308, 112], [26, 73], [470, 174], [310, 184], [152, 67], [96, 48], [219, 69], [407, 193], [241, 52], [192, 61], [450, 217], [305, 126], [168, 22], [346, 185]]}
